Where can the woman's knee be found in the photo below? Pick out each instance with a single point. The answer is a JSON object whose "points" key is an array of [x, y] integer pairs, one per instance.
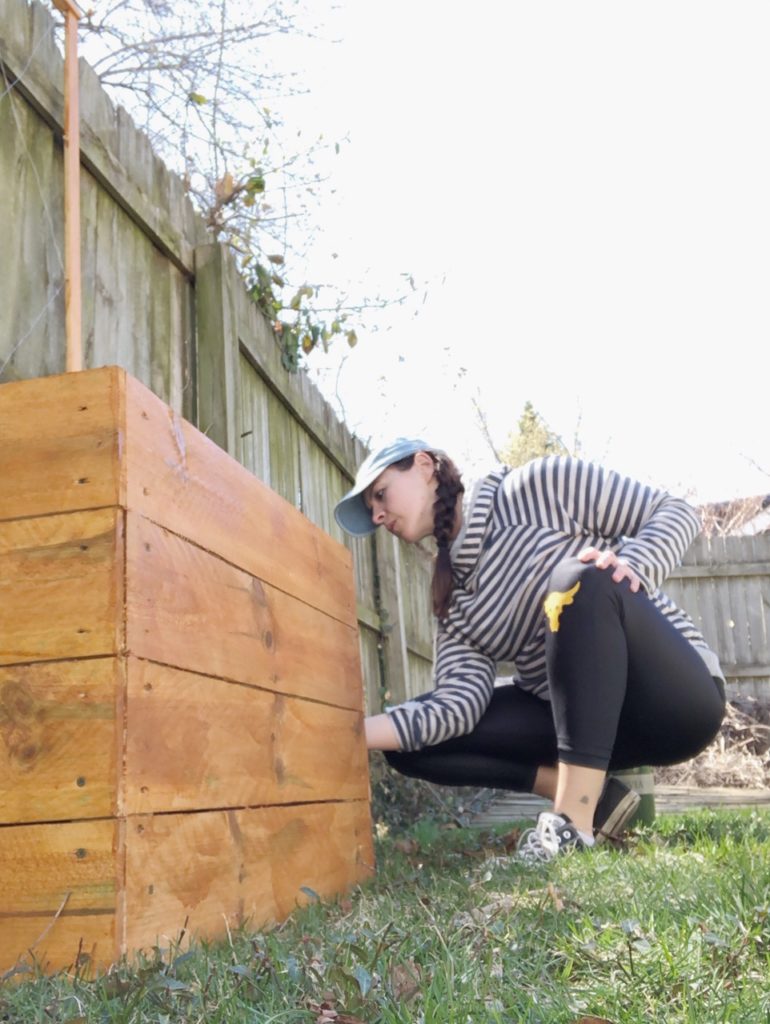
{"points": [[571, 576]]}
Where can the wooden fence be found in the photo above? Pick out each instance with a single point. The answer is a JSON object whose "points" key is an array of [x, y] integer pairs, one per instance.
{"points": [[724, 584], [167, 304]]}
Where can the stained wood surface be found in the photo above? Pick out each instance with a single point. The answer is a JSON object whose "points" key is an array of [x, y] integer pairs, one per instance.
{"points": [[222, 867], [59, 740], [58, 443], [179, 478], [42, 864], [194, 742], [53, 944], [60, 586], [62, 875], [189, 609]]}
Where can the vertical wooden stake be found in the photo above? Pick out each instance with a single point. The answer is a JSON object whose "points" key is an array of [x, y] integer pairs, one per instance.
{"points": [[72, 276]]}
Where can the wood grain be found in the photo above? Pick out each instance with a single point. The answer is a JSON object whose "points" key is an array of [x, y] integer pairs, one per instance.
{"points": [[60, 586], [188, 609], [194, 742], [179, 478], [59, 443], [225, 867], [45, 865], [59, 740], [53, 944]]}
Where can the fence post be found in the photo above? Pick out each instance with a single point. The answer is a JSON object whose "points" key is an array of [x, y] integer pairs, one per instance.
{"points": [[217, 347]]}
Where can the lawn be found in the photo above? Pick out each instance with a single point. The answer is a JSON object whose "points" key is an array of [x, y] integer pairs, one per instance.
{"points": [[673, 928]]}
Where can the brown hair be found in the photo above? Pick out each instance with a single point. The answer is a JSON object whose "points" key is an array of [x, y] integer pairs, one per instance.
{"points": [[449, 487]]}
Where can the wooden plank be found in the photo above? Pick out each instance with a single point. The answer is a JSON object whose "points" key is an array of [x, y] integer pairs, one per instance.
{"points": [[369, 644], [58, 443], [758, 612], [195, 742], [706, 620], [60, 586], [181, 479], [744, 624], [715, 570], [283, 445], [668, 800], [59, 740], [58, 886], [725, 623], [52, 944], [746, 671], [221, 868], [253, 441], [217, 349], [68, 865], [188, 609], [394, 657]]}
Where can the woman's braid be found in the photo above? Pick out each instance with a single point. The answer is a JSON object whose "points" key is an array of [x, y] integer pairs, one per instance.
{"points": [[444, 511]]}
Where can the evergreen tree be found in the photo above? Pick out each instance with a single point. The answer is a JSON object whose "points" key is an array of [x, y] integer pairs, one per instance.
{"points": [[533, 439]]}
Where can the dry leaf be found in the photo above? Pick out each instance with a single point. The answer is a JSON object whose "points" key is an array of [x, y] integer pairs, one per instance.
{"points": [[225, 186], [405, 979], [511, 840], [558, 902], [407, 846]]}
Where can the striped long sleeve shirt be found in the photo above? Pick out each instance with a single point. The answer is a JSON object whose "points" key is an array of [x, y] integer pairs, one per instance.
{"points": [[522, 523]]}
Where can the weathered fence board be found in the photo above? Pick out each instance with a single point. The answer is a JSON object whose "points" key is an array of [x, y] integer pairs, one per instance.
{"points": [[724, 583]]}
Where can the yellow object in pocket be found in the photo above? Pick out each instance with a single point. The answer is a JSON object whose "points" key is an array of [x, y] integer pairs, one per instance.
{"points": [[554, 603]]}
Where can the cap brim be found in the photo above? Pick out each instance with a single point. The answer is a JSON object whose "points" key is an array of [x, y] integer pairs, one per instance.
{"points": [[353, 516]]}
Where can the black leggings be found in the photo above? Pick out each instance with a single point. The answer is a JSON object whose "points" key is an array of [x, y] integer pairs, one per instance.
{"points": [[627, 689]]}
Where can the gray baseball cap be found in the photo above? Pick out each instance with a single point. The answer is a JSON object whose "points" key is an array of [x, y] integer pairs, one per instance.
{"points": [[351, 512]]}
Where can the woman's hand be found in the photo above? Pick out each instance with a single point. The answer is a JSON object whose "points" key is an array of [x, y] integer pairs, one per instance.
{"points": [[609, 560]]}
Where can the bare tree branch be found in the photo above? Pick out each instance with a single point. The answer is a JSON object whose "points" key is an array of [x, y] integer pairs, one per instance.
{"points": [[483, 424]]}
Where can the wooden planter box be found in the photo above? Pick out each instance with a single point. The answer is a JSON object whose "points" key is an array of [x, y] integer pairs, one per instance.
{"points": [[180, 683]]}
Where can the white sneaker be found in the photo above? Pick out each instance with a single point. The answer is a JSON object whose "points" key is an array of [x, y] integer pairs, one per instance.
{"points": [[553, 834]]}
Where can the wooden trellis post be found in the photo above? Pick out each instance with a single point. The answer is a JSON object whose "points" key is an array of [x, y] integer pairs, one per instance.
{"points": [[72, 277]]}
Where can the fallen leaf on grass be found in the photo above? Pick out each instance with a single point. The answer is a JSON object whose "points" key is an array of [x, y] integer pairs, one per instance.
{"points": [[558, 902], [593, 1020], [326, 1014], [511, 840], [407, 846], [405, 980]]}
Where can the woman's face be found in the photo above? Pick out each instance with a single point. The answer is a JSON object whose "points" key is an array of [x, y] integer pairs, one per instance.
{"points": [[402, 500]]}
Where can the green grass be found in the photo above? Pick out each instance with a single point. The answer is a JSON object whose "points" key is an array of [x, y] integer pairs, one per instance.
{"points": [[674, 929]]}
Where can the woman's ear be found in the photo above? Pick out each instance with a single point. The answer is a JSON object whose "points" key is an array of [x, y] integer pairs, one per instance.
{"points": [[426, 465]]}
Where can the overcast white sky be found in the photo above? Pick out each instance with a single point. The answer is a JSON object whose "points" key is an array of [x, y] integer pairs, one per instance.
{"points": [[592, 182]]}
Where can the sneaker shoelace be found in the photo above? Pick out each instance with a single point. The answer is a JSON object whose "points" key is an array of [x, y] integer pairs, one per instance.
{"points": [[541, 843]]}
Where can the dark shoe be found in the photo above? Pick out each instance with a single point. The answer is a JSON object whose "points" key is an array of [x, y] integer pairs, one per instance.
{"points": [[553, 834], [617, 805]]}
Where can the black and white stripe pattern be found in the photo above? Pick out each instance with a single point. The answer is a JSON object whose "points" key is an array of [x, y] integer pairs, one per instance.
{"points": [[523, 522]]}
